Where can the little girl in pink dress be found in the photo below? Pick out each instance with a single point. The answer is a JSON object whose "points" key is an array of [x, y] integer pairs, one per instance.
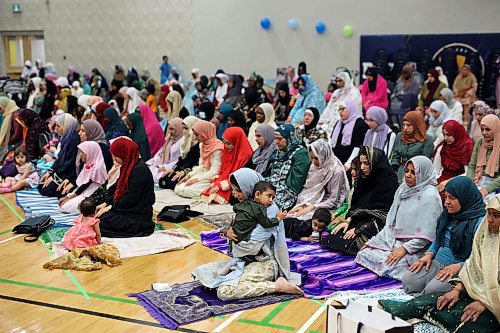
{"points": [[27, 176], [86, 230]]}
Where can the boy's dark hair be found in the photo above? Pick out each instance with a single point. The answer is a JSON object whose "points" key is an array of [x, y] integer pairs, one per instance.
{"points": [[322, 215], [165, 56], [88, 207], [262, 186], [22, 150]]}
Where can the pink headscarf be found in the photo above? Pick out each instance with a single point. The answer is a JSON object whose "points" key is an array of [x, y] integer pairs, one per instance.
{"points": [[349, 123], [94, 168], [155, 134]]}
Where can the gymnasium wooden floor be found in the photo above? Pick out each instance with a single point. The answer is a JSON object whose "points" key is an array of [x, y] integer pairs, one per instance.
{"points": [[33, 299]]}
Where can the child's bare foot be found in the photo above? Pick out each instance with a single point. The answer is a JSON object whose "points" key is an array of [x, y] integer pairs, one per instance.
{"points": [[283, 286]]}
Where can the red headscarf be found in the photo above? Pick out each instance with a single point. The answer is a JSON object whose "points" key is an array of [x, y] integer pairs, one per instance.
{"points": [[128, 151], [165, 90], [100, 113], [456, 155], [432, 86]]}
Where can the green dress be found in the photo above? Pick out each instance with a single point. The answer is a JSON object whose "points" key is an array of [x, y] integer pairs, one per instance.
{"points": [[472, 168], [403, 152]]}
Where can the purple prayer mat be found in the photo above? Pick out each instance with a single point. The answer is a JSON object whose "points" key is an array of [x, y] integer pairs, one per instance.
{"points": [[190, 302], [323, 271]]}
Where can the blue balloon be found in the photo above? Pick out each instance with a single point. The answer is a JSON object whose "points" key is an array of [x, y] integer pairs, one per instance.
{"points": [[293, 24], [265, 23], [320, 27]]}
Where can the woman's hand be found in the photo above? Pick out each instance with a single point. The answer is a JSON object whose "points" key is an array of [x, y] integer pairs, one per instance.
{"points": [[395, 256], [342, 226], [350, 234], [213, 188], [47, 182], [63, 200], [295, 209], [472, 311], [102, 210], [337, 220], [63, 185], [191, 182], [304, 210], [67, 188], [450, 299], [442, 185], [178, 175], [231, 235], [425, 260], [44, 176], [448, 272]]}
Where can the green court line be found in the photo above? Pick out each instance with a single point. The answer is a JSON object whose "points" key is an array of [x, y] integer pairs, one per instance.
{"points": [[68, 291], [318, 302], [68, 273], [275, 312], [5, 232], [312, 331], [268, 325], [187, 230]]}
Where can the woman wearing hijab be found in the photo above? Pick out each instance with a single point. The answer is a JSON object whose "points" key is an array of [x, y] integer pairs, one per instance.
{"points": [[236, 154], [155, 134], [138, 135], [115, 127], [167, 157], [465, 87], [233, 96], [405, 85], [174, 104], [473, 304], [91, 130], [265, 115], [480, 109], [92, 175], [484, 163], [206, 111], [412, 141], [134, 100], [431, 89], [35, 127], [345, 90], [288, 167], [195, 182], [49, 100], [456, 226], [440, 114], [236, 118], [374, 90], [408, 229], [224, 113], [309, 131], [221, 89], [251, 100], [165, 91], [11, 133], [264, 136], [371, 200], [282, 108], [189, 155], [130, 214], [64, 168], [36, 96], [348, 133], [326, 183], [455, 107], [379, 135], [310, 96]]}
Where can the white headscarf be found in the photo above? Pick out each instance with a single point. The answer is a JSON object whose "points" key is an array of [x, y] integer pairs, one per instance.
{"points": [[31, 99], [134, 100], [189, 140], [269, 116]]}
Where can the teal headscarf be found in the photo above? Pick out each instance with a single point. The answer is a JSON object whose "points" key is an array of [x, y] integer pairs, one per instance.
{"points": [[224, 110], [114, 124], [287, 131], [463, 222]]}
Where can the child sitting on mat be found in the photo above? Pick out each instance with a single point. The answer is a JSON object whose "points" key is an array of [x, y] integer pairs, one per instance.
{"points": [[86, 230], [308, 230], [26, 173]]}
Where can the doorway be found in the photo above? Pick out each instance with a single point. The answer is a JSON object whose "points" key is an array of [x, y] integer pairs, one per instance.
{"points": [[19, 47]]}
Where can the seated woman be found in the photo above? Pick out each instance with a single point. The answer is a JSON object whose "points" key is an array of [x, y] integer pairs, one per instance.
{"points": [[440, 114], [91, 130], [453, 154], [349, 133], [189, 156], [379, 135], [373, 196], [167, 157], [465, 88], [130, 214], [265, 115], [412, 141], [345, 90], [264, 136], [154, 132], [309, 132], [198, 180], [473, 304], [64, 168], [282, 107], [139, 136], [288, 167], [236, 118], [431, 90], [326, 183], [36, 127], [374, 90], [409, 229], [236, 154], [92, 175], [456, 108], [480, 109], [484, 163], [310, 96], [407, 84], [456, 226], [11, 133], [115, 127], [251, 279]]}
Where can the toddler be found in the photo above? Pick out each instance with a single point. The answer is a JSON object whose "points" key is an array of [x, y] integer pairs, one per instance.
{"points": [[27, 176], [86, 230], [308, 230]]}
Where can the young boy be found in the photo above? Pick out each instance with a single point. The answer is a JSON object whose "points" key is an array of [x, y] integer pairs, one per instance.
{"points": [[252, 211], [308, 230]]}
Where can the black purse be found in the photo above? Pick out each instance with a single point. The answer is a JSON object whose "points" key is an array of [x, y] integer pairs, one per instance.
{"points": [[177, 213], [34, 226]]}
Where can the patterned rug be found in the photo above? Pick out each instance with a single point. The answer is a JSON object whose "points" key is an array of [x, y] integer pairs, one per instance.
{"points": [[219, 221], [190, 302], [323, 271], [41, 205]]}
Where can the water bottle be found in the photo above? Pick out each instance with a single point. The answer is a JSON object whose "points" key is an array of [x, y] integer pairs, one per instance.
{"points": [[27, 213], [315, 236]]}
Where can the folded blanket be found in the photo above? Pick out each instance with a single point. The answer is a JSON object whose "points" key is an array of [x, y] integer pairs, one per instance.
{"points": [[87, 259]]}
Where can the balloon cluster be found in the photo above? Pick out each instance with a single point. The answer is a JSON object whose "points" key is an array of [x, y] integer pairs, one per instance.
{"points": [[293, 24]]}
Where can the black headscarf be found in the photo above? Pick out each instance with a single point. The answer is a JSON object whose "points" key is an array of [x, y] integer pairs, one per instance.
{"points": [[36, 126], [372, 71], [251, 96], [283, 85], [209, 109], [50, 99], [237, 85], [239, 120], [314, 122], [178, 88], [303, 66]]}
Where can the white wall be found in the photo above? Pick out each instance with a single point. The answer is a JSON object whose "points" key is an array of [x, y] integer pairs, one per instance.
{"points": [[211, 34]]}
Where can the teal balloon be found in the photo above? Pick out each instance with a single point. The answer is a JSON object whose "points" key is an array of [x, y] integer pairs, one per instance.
{"points": [[265, 23], [320, 28], [293, 24], [348, 31]]}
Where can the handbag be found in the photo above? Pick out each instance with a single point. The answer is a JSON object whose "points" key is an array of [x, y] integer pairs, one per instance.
{"points": [[361, 318], [177, 213], [9, 168], [34, 226]]}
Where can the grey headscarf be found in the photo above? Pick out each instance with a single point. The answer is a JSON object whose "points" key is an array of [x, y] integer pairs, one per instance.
{"points": [[449, 97], [261, 155]]}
